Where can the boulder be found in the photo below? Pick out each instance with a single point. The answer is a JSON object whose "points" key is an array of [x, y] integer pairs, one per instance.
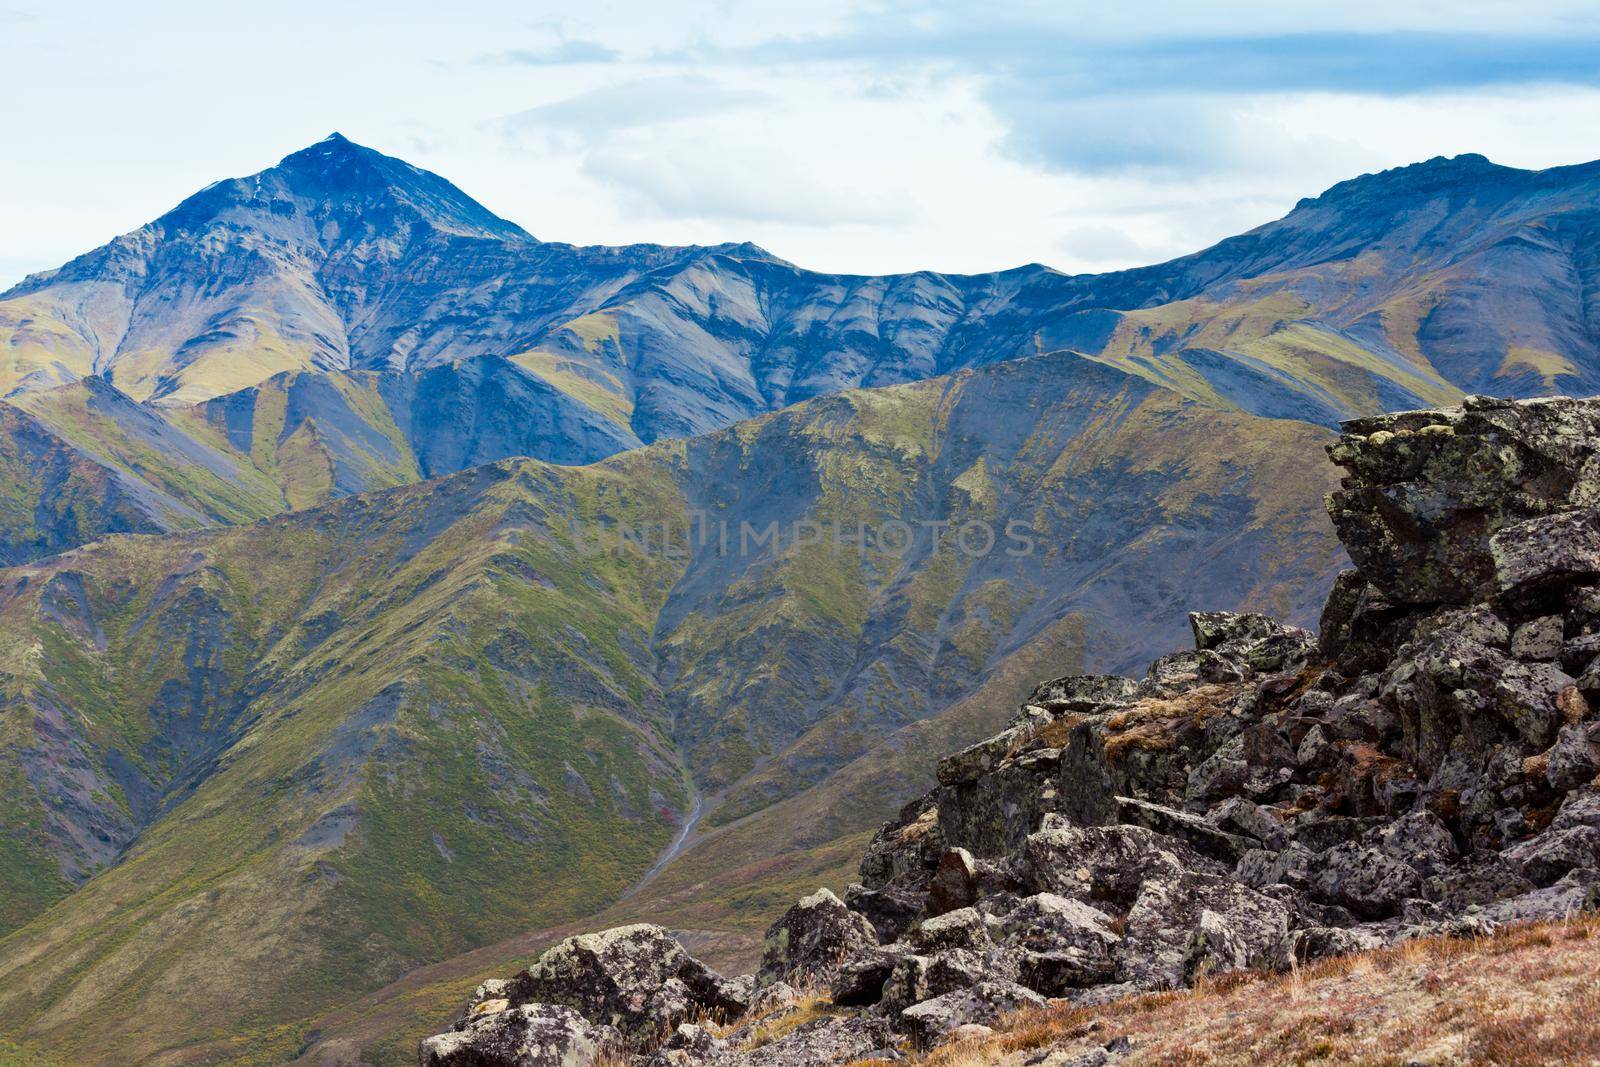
{"points": [[1481, 878], [1574, 759], [1546, 549], [1539, 640], [1366, 880], [1580, 808], [1418, 839], [1106, 864], [637, 979], [905, 847], [1424, 492], [689, 1045], [1192, 923], [812, 939], [1575, 892], [530, 1035], [831, 1039], [1204, 836], [1544, 859], [1315, 942], [1245, 818], [1061, 944], [928, 1022], [962, 928], [1083, 692], [891, 909], [861, 978]]}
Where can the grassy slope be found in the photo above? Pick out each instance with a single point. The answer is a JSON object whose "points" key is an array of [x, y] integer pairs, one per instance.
{"points": [[742, 870], [455, 730], [407, 779]]}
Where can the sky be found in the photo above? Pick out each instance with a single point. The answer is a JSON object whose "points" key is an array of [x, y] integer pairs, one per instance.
{"points": [[854, 137]]}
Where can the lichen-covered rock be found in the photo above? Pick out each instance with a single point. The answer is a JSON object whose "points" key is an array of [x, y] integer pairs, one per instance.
{"points": [[1107, 864], [1203, 836], [690, 1045], [861, 978], [1574, 759], [1543, 860], [1369, 882], [1082, 692], [962, 928], [1550, 548], [1180, 926], [891, 909], [1419, 839], [812, 939], [928, 1022], [829, 1040], [531, 1035], [1425, 491], [635, 978], [1062, 944]]}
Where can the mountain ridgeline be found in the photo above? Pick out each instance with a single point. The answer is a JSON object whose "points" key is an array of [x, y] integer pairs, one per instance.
{"points": [[312, 678], [325, 315]]}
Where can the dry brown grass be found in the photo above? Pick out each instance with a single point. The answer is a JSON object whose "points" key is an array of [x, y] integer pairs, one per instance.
{"points": [[1526, 996], [764, 1031], [1154, 724]]}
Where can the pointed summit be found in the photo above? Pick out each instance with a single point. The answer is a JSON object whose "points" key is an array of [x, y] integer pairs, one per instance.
{"points": [[342, 177]]}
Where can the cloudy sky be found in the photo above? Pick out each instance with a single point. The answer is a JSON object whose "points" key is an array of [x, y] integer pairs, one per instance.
{"points": [[867, 137]]}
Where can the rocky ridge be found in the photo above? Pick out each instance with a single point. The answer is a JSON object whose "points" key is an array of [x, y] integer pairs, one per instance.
{"points": [[1426, 766]]}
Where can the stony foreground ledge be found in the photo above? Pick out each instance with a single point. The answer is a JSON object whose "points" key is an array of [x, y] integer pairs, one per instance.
{"points": [[1424, 768]]}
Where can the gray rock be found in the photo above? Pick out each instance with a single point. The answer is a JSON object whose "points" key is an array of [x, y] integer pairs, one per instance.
{"points": [[1216, 629], [1205, 837], [1289, 866], [928, 1022], [1245, 818], [833, 1039], [1579, 652], [1538, 639], [1315, 942], [1543, 860], [1574, 759], [812, 939], [1546, 549], [1580, 808], [1480, 879], [1419, 840], [861, 978], [1083, 692], [1574, 892], [962, 928], [530, 1035], [891, 909], [689, 1045], [635, 978], [1182, 925], [1365, 880], [1102, 863]]}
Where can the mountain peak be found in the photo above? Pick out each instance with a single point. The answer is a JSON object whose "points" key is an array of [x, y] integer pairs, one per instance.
{"points": [[356, 187]]}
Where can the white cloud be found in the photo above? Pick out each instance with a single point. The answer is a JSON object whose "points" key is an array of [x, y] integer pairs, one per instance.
{"points": [[868, 139]]}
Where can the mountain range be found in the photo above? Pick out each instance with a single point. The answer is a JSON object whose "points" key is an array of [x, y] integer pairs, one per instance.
{"points": [[312, 677]]}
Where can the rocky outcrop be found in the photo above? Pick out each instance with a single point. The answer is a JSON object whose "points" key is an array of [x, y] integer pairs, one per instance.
{"points": [[635, 983], [1427, 766]]}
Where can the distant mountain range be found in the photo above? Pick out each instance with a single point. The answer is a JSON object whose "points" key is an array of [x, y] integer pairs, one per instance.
{"points": [[361, 699]]}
